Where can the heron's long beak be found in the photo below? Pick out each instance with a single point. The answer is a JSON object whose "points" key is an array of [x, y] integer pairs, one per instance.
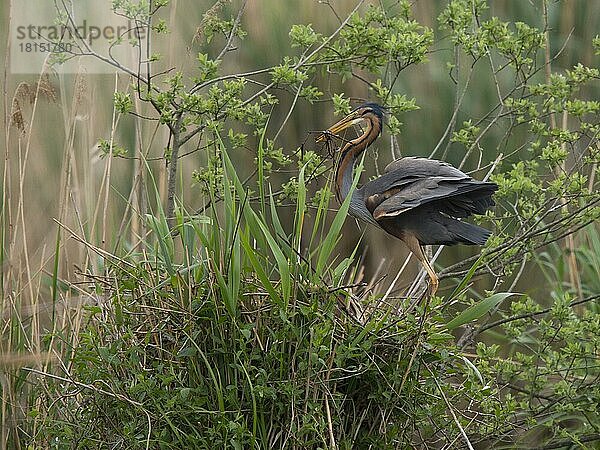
{"points": [[346, 122]]}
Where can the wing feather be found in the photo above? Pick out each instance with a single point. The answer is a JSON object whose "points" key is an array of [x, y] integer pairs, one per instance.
{"points": [[411, 182]]}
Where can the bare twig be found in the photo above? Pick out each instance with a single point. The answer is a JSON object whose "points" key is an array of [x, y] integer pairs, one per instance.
{"points": [[451, 409], [534, 314], [234, 28]]}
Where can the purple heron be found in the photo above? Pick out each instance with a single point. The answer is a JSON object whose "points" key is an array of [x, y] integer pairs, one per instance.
{"points": [[417, 200]]}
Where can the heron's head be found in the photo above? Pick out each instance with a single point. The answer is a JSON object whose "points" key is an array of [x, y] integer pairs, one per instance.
{"points": [[367, 112]]}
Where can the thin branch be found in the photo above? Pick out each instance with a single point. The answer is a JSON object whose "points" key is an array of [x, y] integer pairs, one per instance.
{"points": [[568, 443], [451, 409], [234, 28], [534, 314]]}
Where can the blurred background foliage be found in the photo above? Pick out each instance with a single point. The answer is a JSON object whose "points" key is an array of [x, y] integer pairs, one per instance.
{"points": [[95, 290]]}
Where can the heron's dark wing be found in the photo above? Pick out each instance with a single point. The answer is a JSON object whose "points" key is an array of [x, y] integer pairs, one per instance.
{"points": [[402, 173], [423, 167], [412, 182]]}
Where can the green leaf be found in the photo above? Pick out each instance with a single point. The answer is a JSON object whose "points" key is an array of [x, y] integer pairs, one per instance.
{"points": [[458, 289], [474, 312]]}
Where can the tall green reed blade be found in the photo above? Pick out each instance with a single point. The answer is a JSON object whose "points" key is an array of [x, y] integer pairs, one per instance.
{"points": [[339, 273], [286, 243], [188, 239], [333, 235], [234, 180], [300, 210], [261, 273], [275, 216], [165, 244], [241, 364], [232, 260], [205, 243], [463, 283], [282, 263], [159, 225], [229, 202], [257, 226], [477, 310], [260, 168], [214, 375], [321, 212]]}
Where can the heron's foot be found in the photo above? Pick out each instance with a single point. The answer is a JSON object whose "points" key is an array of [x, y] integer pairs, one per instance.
{"points": [[432, 287]]}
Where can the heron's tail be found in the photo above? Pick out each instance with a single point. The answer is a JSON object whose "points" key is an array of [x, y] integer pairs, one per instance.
{"points": [[466, 233]]}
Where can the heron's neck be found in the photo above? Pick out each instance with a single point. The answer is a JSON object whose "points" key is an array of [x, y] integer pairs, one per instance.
{"points": [[349, 154], [344, 175]]}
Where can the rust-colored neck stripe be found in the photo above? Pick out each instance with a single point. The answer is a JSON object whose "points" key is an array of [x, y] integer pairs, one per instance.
{"points": [[352, 150]]}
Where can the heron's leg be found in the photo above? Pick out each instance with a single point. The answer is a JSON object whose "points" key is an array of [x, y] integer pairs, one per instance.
{"points": [[434, 280], [415, 246]]}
